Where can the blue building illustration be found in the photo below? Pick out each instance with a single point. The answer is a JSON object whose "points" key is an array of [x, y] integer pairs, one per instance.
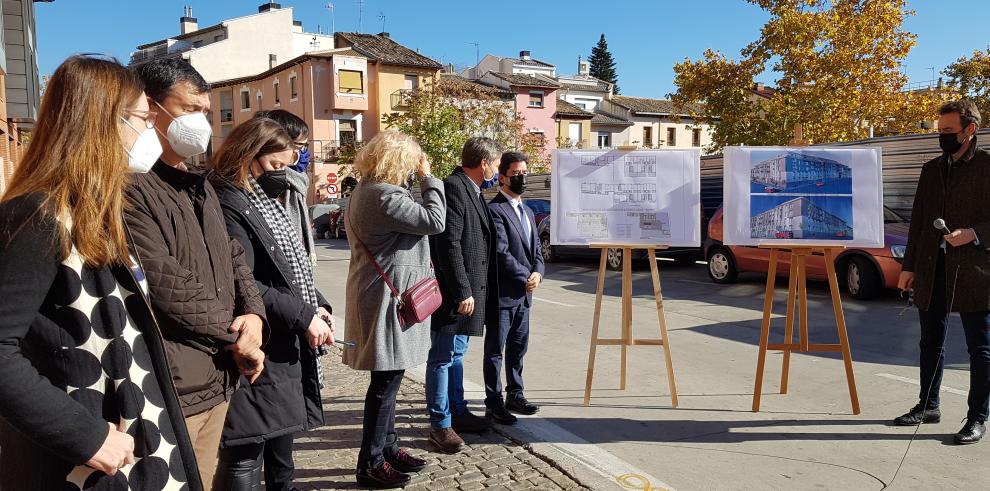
{"points": [[798, 172], [800, 218]]}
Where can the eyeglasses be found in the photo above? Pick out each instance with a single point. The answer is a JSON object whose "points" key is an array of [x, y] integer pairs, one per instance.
{"points": [[149, 117]]}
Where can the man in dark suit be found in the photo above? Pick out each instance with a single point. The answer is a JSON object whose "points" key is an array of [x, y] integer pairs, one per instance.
{"points": [[464, 258], [520, 271], [948, 272]]}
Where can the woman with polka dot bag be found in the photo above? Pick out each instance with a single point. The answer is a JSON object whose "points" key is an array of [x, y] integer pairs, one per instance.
{"points": [[86, 397]]}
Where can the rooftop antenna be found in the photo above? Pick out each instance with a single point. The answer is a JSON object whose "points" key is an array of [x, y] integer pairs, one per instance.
{"points": [[381, 15], [930, 84], [477, 52], [333, 26], [360, 13], [314, 43]]}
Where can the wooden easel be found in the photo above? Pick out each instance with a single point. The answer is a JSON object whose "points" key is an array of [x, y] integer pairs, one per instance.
{"points": [[797, 292], [627, 338]]}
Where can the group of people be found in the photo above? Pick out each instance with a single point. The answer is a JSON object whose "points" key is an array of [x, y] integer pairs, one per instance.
{"points": [[161, 326], [486, 260]]}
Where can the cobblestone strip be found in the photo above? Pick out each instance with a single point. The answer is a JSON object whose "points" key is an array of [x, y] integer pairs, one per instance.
{"points": [[326, 457]]}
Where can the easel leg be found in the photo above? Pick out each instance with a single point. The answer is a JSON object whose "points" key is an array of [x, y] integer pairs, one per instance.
{"points": [[840, 322], [789, 326], [803, 300], [662, 319], [594, 328], [765, 329], [626, 312]]}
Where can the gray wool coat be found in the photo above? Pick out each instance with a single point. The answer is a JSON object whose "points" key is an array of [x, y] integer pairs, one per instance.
{"points": [[394, 227]]}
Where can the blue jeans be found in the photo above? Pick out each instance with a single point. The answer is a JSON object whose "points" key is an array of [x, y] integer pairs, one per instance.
{"points": [[445, 378]]}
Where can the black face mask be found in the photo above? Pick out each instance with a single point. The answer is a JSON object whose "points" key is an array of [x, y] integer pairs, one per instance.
{"points": [[517, 184], [274, 183], [949, 142]]}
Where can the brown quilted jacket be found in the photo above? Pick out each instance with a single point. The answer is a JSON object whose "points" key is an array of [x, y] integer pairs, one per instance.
{"points": [[197, 277]]}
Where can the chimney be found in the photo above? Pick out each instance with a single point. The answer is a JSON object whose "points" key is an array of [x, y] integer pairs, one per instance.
{"points": [[265, 7], [188, 23], [384, 34], [758, 87], [297, 26], [584, 68], [272, 61], [524, 55]]}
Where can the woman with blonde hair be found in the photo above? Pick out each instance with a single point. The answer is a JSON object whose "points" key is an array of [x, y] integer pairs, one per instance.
{"points": [[87, 397], [388, 229], [249, 172]]}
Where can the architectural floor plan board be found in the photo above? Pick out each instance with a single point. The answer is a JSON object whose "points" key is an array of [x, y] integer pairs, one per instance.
{"points": [[629, 197], [806, 196]]}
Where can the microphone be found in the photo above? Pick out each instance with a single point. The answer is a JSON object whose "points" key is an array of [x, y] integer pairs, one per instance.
{"points": [[940, 225]]}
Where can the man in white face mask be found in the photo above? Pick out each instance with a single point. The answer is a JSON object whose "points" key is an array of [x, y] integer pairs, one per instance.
{"points": [[200, 286]]}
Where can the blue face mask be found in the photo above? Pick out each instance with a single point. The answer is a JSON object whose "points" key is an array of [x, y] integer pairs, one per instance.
{"points": [[303, 162], [490, 183]]}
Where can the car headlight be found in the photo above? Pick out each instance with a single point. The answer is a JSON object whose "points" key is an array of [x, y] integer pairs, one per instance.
{"points": [[897, 251]]}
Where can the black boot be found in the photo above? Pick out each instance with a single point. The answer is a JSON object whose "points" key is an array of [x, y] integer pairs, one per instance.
{"points": [[918, 415], [500, 415], [518, 404], [382, 477], [971, 432]]}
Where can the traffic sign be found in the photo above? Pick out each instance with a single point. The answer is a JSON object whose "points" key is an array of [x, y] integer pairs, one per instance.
{"points": [[332, 189], [332, 178]]}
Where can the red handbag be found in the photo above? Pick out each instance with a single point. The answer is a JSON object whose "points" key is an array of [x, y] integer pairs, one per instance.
{"points": [[417, 303]]}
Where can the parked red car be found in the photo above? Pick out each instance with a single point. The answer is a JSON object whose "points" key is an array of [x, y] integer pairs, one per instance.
{"points": [[862, 272]]}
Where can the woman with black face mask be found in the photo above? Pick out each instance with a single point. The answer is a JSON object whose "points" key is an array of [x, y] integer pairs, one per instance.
{"points": [[249, 171]]}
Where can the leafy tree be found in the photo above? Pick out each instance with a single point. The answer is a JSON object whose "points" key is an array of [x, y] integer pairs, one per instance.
{"points": [[602, 65], [837, 62], [971, 76], [444, 114]]}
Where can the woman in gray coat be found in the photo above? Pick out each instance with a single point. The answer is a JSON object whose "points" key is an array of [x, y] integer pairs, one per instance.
{"points": [[386, 225]]}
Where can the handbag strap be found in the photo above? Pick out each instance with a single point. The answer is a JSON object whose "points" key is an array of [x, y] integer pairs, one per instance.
{"points": [[378, 267]]}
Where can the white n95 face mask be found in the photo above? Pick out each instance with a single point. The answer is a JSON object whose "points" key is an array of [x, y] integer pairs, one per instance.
{"points": [[189, 134], [145, 151]]}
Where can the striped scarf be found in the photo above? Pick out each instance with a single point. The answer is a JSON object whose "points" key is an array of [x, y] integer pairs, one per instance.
{"points": [[287, 239]]}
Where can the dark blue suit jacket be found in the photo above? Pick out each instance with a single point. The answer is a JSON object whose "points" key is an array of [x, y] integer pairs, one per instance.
{"points": [[518, 257]]}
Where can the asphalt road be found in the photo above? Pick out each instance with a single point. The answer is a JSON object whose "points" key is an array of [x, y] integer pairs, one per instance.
{"points": [[807, 439]]}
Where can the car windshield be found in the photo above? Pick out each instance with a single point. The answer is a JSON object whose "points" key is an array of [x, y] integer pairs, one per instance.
{"points": [[890, 216], [539, 206]]}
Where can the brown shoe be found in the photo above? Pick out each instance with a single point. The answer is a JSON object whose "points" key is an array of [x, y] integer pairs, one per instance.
{"points": [[447, 441]]}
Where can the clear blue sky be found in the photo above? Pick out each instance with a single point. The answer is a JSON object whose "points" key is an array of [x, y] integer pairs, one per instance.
{"points": [[646, 36]]}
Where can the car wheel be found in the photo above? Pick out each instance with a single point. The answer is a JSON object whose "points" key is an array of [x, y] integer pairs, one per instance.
{"points": [[613, 259], [336, 232], [546, 249], [328, 234], [862, 279], [722, 266]]}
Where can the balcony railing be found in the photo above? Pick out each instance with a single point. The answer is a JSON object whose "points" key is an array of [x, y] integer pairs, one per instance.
{"points": [[401, 99], [324, 150]]}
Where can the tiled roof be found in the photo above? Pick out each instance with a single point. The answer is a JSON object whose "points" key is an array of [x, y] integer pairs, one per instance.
{"points": [[599, 86], [524, 80], [382, 48], [605, 119], [457, 80], [565, 108], [531, 61], [651, 106]]}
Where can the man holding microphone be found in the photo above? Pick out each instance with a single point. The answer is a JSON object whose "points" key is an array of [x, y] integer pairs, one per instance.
{"points": [[947, 265]]}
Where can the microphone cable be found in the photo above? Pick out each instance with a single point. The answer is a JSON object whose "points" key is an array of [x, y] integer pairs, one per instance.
{"points": [[931, 383]]}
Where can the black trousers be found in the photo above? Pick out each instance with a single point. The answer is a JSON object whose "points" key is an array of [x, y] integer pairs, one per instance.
{"points": [[378, 437], [976, 326], [240, 467], [512, 337]]}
